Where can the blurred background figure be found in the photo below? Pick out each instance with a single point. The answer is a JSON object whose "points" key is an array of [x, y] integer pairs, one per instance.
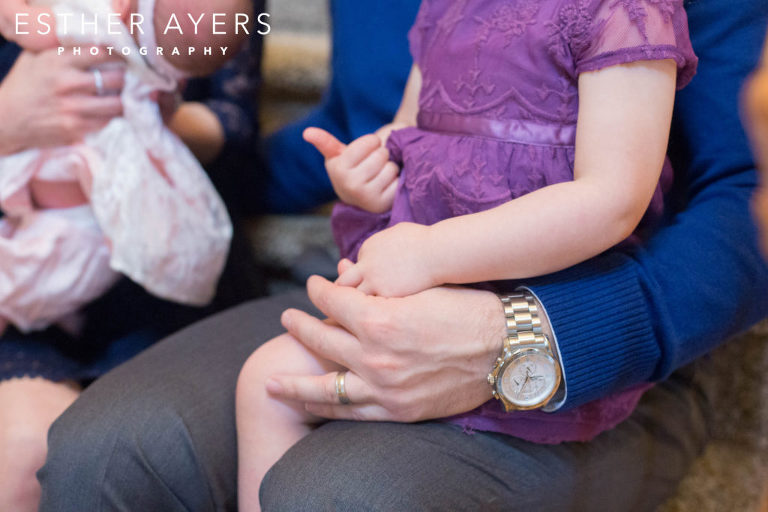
{"points": [[756, 116]]}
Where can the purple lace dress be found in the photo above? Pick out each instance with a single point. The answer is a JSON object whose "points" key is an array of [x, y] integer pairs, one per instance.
{"points": [[497, 119]]}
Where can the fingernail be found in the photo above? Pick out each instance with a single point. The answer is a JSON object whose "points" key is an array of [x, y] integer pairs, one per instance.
{"points": [[285, 319], [273, 386]]}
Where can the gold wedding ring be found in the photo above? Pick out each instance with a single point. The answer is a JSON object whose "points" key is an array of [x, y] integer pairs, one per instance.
{"points": [[341, 388]]}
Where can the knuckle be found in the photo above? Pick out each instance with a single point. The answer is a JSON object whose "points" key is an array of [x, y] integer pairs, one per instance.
{"points": [[70, 125], [377, 324], [323, 339], [385, 367], [59, 83], [329, 391]]}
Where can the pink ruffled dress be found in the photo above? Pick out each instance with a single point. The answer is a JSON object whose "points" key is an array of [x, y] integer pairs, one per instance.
{"points": [[153, 215], [497, 119]]}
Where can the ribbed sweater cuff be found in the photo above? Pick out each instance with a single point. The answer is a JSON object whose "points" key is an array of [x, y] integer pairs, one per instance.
{"points": [[601, 319]]}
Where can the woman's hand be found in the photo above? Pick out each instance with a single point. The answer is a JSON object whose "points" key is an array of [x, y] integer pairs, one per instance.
{"points": [[396, 262], [53, 100], [420, 357], [27, 34], [361, 173]]}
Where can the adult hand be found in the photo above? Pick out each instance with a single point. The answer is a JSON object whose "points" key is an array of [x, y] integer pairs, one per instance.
{"points": [[410, 359], [27, 35], [52, 100]]}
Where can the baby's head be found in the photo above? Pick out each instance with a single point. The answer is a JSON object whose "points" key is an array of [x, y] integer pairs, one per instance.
{"points": [[230, 18]]}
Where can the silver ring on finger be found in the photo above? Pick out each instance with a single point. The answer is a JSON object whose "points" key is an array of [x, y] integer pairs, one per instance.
{"points": [[341, 388], [98, 80]]}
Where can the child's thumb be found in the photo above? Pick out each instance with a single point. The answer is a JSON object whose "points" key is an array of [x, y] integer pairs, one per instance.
{"points": [[325, 143]]}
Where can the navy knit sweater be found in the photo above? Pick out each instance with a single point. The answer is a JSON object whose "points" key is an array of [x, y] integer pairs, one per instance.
{"points": [[626, 316]]}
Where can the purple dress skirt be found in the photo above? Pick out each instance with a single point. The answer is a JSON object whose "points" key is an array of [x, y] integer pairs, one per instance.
{"points": [[497, 119]]}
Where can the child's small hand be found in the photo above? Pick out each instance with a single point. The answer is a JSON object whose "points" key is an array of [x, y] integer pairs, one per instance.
{"points": [[26, 34], [361, 173], [392, 263]]}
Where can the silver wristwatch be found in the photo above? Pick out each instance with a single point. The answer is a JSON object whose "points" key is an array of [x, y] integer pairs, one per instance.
{"points": [[526, 375]]}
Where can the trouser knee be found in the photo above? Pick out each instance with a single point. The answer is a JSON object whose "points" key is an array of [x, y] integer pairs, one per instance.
{"points": [[139, 459]]}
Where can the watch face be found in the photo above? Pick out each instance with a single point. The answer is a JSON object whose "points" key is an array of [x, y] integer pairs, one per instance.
{"points": [[529, 378]]}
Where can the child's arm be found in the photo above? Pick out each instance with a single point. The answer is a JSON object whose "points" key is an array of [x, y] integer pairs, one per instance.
{"points": [[27, 32], [623, 126], [361, 173]]}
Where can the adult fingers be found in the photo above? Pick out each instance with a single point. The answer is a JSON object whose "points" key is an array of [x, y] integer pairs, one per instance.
{"points": [[345, 305], [93, 125], [330, 341], [113, 81], [27, 33], [328, 145], [102, 107], [85, 82], [367, 412], [320, 389], [86, 60], [80, 129]]}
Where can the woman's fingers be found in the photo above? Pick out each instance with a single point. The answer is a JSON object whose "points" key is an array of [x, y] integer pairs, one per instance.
{"points": [[99, 107], [112, 82], [87, 60], [20, 22]]}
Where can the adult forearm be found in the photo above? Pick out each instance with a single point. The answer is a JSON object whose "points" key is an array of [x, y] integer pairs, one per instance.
{"points": [[200, 129]]}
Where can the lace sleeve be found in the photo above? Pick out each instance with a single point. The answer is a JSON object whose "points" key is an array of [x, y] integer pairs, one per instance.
{"points": [[231, 93], [609, 32]]}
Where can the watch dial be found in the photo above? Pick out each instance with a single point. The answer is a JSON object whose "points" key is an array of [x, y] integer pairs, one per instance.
{"points": [[529, 378]]}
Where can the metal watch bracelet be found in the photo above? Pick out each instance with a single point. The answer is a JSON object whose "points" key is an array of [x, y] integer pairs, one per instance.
{"points": [[523, 332]]}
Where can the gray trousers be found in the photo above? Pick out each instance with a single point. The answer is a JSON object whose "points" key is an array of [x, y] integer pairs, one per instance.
{"points": [[158, 434]]}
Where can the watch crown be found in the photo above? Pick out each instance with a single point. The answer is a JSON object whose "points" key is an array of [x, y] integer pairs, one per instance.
{"points": [[491, 379]]}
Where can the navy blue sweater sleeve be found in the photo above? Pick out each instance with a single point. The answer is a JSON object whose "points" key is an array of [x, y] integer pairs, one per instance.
{"points": [[629, 317], [370, 64]]}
